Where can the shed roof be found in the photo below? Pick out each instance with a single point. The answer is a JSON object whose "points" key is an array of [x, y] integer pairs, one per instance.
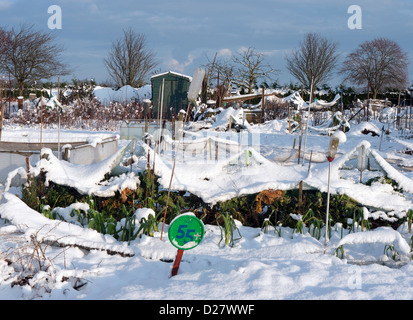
{"points": [[172, 72]]}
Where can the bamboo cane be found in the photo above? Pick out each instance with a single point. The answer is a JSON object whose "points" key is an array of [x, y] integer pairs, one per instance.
{"points": [[173, 170]]}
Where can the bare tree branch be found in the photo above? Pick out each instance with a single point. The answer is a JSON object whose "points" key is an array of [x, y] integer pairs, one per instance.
{"points": [[31, 55], [249, 67], [314, 61], [130, 61], [379, 63]]}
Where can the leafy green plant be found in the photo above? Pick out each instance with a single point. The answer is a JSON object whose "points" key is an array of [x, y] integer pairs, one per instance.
{"points": [[364, 223], [409, 220], [128, 231], [390, 251], [149, 225], [267, 223], [340, 252], [314, 224], [97, 221], [359, 220], [48, 212], [228, 229]]}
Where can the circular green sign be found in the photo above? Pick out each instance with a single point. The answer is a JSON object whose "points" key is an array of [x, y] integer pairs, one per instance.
{"points": [[186, 232]]}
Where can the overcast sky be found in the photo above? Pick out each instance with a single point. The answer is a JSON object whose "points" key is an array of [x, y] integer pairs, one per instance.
{"points": [[182, 33]]}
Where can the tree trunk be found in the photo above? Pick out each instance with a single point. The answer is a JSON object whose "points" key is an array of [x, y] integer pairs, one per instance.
{"points": [[21, 87], [3, 107]]}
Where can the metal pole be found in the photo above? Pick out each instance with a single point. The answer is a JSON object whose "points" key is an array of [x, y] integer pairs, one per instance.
{"points": [[9, 94], [58, 138], [410, 115], [328, 203], [308, 116]]}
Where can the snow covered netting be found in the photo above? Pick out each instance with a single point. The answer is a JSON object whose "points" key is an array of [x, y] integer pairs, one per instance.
{"points": [[225, 117], [246, 172], [376, 196], [195, 145], [86, 179], [384, 235], [48, 135], [33, 223], [316, 105], [241, 170], [403, 181]]}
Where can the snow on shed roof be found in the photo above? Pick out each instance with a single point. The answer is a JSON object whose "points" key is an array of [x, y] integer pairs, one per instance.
{"points": [[174, 73]]}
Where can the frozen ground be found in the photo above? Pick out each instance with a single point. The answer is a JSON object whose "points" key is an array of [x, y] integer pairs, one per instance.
{"points": [[279, 264]]}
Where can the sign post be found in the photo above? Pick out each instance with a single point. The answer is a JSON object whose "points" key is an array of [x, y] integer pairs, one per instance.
{"points": [[185, 232], [331, 154]]}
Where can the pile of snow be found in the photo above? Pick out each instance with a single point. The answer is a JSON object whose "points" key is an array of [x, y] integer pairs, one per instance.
{"points": [[284, 265], [223, 116], [86, 179], [34, 224], [385, 235], [124, 94]]}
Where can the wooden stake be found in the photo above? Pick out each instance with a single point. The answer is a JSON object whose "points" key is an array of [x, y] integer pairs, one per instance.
{"points": [[299, 148], [309, 164], [177, 262], [262, 105], [27, 165]]}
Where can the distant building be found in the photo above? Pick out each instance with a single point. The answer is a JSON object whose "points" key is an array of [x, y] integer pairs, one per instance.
{"points": [[175, 95]]}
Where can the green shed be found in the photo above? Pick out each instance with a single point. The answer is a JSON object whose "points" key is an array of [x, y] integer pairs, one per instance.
{"points": [[175, 95]]}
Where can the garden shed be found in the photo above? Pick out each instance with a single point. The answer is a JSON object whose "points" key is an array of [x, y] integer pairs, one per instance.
{"points": [[175, 95]]}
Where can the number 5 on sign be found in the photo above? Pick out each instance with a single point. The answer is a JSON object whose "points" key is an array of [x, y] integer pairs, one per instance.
{"points": [[185, 232]]}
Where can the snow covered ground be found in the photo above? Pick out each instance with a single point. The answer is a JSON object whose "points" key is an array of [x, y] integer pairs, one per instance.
{"points": [[279, 264]]}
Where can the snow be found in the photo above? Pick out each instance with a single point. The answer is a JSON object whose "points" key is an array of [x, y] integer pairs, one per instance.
{"points": [[277, 264], [35, 224], [172, 72], [384, 235], [123, 94], [86, 179]]}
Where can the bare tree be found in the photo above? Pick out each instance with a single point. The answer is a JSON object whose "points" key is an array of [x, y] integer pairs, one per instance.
{"points": [[249, 67], [377, 64], [130, 61], [31, 55], [220, 68], [314, 61]]}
